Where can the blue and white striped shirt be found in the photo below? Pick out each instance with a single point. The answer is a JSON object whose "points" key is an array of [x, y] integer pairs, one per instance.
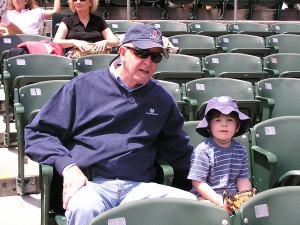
{"points": [[219, 167]]}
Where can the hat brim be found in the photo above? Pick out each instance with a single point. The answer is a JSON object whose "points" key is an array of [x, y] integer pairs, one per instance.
{"points": [[244, 120], [145, 44]]}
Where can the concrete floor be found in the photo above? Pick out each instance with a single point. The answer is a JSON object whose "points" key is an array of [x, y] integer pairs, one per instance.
{"points": [[15, 209]]}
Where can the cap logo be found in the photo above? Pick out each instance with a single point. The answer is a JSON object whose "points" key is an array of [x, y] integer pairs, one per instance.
{"points": [[223, 99], [154, 34]]}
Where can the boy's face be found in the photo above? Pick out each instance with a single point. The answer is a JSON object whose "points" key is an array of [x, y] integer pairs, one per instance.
{"points": [[223, 128]]}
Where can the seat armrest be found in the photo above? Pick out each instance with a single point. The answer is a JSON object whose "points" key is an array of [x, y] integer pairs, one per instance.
{"points": [[192, 107], [268, 106], [46, 175], [263, 166], [167, 170], [290, 178]]}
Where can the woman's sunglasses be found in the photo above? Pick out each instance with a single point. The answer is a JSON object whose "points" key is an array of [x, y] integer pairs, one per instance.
{"points": [[144, 54]]}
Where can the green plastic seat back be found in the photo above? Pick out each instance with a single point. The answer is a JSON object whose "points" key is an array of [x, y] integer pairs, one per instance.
{"points": [[162, 212], [34, 96], [189, 127], [284, 43], [56, 19], [275, 206], [285, 94], [243, 43], [285, 28], [208, 28], [234, 65], [282, 64], [11, 41], [280, 136], [195, 45], [170, 28], [32, 67], [121, 26], [173, 88], [179, 68], [258, 29], [93, 62], [204, 89]]}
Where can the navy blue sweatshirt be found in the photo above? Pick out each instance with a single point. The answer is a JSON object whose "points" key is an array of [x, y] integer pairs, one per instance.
{"points": [[98, 124]]}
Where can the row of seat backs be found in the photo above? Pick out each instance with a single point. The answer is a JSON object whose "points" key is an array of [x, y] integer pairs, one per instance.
{"points": [[208, 28], [263, 209], [212, 28], [201, 45]]}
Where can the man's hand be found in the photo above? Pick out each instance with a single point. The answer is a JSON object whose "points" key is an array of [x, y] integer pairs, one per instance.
{"points": [[74, 179]]}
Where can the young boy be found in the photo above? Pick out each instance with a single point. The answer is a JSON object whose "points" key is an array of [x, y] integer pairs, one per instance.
{"points": [[220, 163]]}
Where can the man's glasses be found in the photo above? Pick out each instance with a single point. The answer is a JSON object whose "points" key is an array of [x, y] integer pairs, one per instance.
{"points": [[144, 54], [79, 0]]}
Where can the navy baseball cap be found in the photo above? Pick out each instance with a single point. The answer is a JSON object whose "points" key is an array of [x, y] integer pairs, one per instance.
{"points": [[145, 36], [225, 105]]}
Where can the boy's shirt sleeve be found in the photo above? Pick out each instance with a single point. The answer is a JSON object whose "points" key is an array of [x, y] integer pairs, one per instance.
{"points": [[200, 163]]}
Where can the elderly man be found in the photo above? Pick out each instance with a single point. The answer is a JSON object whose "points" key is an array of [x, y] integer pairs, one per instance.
{"points": [[113, 123]]}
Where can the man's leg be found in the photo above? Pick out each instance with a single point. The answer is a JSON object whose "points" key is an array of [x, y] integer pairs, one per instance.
{"points": [[90, 201], [154, 190]]}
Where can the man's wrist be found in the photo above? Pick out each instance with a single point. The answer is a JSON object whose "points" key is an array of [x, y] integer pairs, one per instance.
{"points": [[68, 167]]}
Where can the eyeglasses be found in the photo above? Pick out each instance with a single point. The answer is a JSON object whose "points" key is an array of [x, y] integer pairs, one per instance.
{"points": [[79, 0], [144, 54]]}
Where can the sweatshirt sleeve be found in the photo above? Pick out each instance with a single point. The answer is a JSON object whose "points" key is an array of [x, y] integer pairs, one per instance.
{"points": [[53, 125], [173, 144]]}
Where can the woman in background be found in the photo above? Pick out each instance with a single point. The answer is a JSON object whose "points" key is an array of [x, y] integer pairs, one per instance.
{"points": [[83, 29], [25, 17]]}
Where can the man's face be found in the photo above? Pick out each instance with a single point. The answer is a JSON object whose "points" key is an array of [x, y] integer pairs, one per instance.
{"points": [[136, 70]]}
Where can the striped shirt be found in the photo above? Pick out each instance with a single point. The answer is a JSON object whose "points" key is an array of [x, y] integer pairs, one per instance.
{"points": [[219, 167]]}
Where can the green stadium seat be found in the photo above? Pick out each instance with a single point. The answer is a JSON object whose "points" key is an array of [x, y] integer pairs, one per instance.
{"points": [[275, 206], [279, 96], [252, 28], [208, 28], [285, 28], [179, 68], [283, 43], [169, 28], [21, 70], [197, 92], [194, 45], [29, 100], [275, 152], [164, 211], [243, 43], [282, 65], [234, 65]]}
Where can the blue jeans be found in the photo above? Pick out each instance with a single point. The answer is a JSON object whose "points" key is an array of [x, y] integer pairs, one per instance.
{"points": [[103, 194]]}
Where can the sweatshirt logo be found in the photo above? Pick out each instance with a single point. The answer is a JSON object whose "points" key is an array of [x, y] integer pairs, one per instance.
{"points": [[151, 112]]}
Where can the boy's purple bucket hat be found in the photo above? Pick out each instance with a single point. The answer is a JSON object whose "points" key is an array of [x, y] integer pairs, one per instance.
{"points": [[225, 105]]}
